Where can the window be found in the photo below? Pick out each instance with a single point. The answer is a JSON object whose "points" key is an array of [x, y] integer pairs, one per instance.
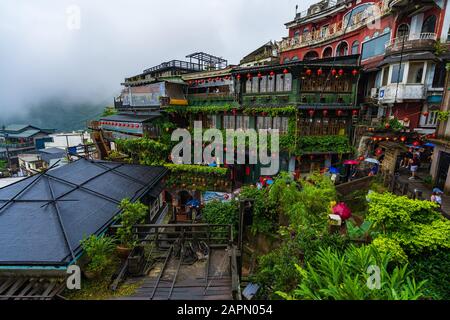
{"points": [[402, 31], [242, 122], [387, 30], [429, 25], [264, 123], [263, 85], [328, 52], [439, 76], [294, 58], [212, 121], [270, 84], [229, 122], [385, 76], [342, 49], [375, 47], [355, 47], [311, 55], [248, 86], [397, 73], [376, 34], [255, 84], [415, 73], [431, 119], [284, 82], [286, 60], [324, 31], [297, 34], [280, 123]]}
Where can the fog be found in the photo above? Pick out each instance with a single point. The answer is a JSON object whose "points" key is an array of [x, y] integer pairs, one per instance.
{"points": [[45, 54]]}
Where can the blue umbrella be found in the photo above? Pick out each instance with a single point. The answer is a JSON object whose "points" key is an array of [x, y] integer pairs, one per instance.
{"points": [[334, 170], [437, 190], [429, 144], [193, 203], [269, 182], [212, 164]]}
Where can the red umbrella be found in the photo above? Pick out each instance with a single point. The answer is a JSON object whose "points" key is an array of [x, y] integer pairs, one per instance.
{"points": [[343, 211], [351, 162]]}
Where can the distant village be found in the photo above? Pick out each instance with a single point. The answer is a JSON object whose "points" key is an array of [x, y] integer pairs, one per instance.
{"points": [[358, 92]]}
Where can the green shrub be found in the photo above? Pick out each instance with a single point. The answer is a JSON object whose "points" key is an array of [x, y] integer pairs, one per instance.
{"points": [[99, 251], [132, 214], [217, 212]]}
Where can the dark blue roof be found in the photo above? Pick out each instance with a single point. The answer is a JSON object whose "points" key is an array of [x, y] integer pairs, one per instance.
{"points": [[35, 230]]}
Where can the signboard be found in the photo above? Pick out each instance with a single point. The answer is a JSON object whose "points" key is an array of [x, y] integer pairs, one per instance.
{"points": [[144, 96]]}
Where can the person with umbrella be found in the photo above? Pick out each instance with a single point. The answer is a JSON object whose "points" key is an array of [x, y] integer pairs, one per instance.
{"points": [[436, 197]]}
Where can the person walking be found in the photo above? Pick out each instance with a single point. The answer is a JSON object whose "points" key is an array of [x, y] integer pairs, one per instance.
{"points": [[414, 162]]}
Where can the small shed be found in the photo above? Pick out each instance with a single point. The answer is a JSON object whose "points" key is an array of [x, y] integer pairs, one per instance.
{"points": [[392, 153]]}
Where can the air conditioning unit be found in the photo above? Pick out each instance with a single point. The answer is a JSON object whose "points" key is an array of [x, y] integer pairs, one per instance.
{"points": [[374, 92]]}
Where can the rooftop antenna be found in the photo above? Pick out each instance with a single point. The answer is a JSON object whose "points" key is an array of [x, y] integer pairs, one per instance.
{"points": [[296, 9]]}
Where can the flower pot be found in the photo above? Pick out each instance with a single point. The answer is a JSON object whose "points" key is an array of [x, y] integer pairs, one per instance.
{"points": [[123, 252]]}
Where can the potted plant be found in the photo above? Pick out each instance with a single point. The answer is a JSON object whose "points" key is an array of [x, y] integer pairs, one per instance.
{"points": [[99, 251], [132, 214]]}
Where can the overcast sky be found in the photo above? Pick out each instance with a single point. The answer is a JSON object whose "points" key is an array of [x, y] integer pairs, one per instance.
{"points": [[41, 57]]}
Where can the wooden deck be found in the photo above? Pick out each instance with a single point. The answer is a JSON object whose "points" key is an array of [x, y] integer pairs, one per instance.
{"points": [[190, 282]]}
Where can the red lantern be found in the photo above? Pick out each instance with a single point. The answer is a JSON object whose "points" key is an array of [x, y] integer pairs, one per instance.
{"points": [[426, 113], [234, 112], [285, 71], [272, 74], [403, 139], [355, 112], [325, 112], [218, 79], [308, 72], [238, 77], [311, 113], [416, 143], [354, 72], [433, 135], [341, 72], [406, 119], [387, 125], [259, 75], [339, 113], [361, 158], [249, 76], [247, 170], [319, 72], [333, 72]]}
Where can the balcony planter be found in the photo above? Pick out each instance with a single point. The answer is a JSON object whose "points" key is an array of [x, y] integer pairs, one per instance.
{"points": [[123, 252], [136, 261]]}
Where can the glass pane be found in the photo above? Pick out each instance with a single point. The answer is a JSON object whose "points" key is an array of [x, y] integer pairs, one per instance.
{"points": [[280, 82], [375, 46], [255, 85], [263, 84], [288, 82], [415, 72], [248, 86], [397, 73], [271, 84]]}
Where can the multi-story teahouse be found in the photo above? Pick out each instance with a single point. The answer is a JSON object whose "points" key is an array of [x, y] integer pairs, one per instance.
{"points": [[344, 64]]}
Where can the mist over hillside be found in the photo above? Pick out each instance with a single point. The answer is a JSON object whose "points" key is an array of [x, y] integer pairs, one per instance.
{"points": [[59, 115]]}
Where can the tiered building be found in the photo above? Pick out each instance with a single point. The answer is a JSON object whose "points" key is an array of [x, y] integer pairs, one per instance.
{"points": [[345, 68]]}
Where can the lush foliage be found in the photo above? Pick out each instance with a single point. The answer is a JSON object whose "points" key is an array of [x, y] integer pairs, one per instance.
{"points": [[109, 111], [338, 144], [306, 204], [265, 217], [333, 275], [217, 212], [271, 111], [414, 224], [99, 250], [144, 150], [202, 109], [131, 214], [194, 169], [3, 164], [434, 268]]}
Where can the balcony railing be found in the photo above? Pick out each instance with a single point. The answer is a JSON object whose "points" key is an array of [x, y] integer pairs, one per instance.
{"points": [[335, 30], [417, 41], [393, 93]]}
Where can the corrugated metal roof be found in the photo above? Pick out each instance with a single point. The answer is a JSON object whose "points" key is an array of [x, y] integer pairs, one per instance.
{"points": [[44, 217], [24, 134]]}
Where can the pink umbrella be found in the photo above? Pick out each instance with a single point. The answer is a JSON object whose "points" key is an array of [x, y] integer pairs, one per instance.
{"points": [[343, 211], [351, 162]]}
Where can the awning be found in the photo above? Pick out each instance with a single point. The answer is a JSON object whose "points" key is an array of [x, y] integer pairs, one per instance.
{"points": [[408, 57]]}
